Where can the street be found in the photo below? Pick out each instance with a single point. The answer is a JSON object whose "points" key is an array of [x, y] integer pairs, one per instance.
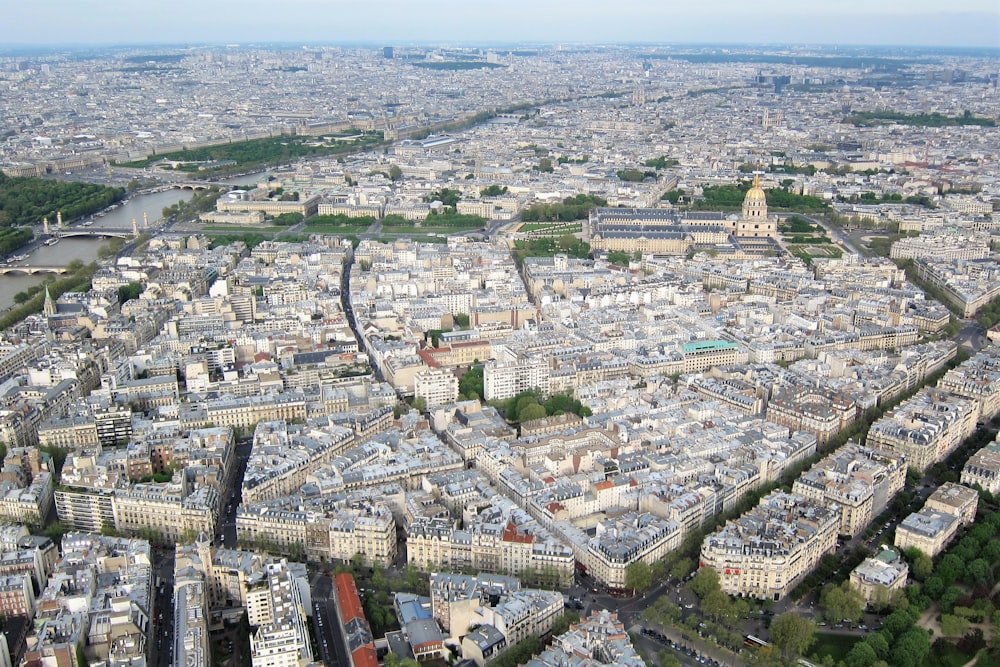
{"points": [[233, 496], [329, 634], [162, 626]]}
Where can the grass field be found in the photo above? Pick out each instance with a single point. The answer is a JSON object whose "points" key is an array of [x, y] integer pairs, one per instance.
{"points": [[242, 229], [413, 237], [339, 230], [555, 228], [836, 646]]}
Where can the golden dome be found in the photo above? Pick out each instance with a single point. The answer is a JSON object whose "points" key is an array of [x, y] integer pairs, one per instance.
{"points": [[755, 193]]}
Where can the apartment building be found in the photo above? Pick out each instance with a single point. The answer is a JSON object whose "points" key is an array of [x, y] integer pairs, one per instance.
{"points": [[276, 608], [955, 499], [341, 534], [823, 414], [504, 379], [702, 355], [858, 480], [626, 540], [983, 468], [17, 595], [436, 386], [96, 605], [931, 529], [928, 530], [765, 552], [879, 577], [977, 378], [926, 428]]}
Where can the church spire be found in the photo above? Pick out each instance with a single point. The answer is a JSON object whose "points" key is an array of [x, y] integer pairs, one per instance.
{"points": [[49, 305]]}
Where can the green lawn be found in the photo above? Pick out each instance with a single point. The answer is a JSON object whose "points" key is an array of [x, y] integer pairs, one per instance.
{"points": [[413, 237], [836, 646], [339, 230], [557, 228], [242, 228]]}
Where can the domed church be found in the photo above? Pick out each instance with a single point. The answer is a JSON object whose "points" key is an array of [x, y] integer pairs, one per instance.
{"points": [[754, 222]]}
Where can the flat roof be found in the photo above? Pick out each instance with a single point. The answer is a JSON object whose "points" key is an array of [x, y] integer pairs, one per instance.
{"points": [[708, 345]]}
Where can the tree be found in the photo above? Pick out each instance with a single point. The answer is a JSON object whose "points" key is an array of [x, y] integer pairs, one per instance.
{"points": [[950, 569], [953, 626], [879, 643], [471, 384], [681, 568], [532, 411], [923, 566], [718, 606], [978, 572], [911, 648], [667, 659], [129, 292], [706, 581], [638, 576], [563, 622], [493, 191], [933, 587], [896, 624], [861, 655], [842, 602], [545, 165], [619, 258], [792, 633], [395, 173], [950, 597]]}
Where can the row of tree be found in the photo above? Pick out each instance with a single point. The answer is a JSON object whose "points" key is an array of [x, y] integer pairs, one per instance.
{"points": [[272, 150], [547, 247], [455, 220], [571, 208], [934, 119], [13, 238], [723, 197], [25, 201], [77, 280], [340, 220], [529, 405]]}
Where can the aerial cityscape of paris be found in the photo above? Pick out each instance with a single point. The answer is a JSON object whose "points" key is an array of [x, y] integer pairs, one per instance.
{"points": [[547, 334]]}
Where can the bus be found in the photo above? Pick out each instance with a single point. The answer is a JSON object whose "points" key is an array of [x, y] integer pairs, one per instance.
{"points": [[755, 642]]}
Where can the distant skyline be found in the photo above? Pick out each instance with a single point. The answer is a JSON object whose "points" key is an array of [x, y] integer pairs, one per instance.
{"points": [[972, 23]]}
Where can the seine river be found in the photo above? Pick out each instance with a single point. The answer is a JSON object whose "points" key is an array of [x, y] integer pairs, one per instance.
{"points": [[85, 249]]}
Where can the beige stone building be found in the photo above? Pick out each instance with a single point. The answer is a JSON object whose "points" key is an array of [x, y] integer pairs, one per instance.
{"points": [[767, 551], [983, 468], [955, 499], [879, 577], [858, 480], [926, 428]]}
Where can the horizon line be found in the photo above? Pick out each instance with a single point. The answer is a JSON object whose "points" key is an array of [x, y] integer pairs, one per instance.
{"points": [[12, 46]]}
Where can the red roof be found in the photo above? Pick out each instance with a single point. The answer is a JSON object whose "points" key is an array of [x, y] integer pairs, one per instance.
{"points": [[365, 656], [428, 357], [510, 534], [347, 597]]}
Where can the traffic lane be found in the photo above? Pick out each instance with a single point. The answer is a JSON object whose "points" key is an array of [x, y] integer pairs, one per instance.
{"points": [[328, 627], [335, 635]]}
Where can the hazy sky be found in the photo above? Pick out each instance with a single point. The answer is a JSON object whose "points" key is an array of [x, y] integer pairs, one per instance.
{"points": [[911, 22]]}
